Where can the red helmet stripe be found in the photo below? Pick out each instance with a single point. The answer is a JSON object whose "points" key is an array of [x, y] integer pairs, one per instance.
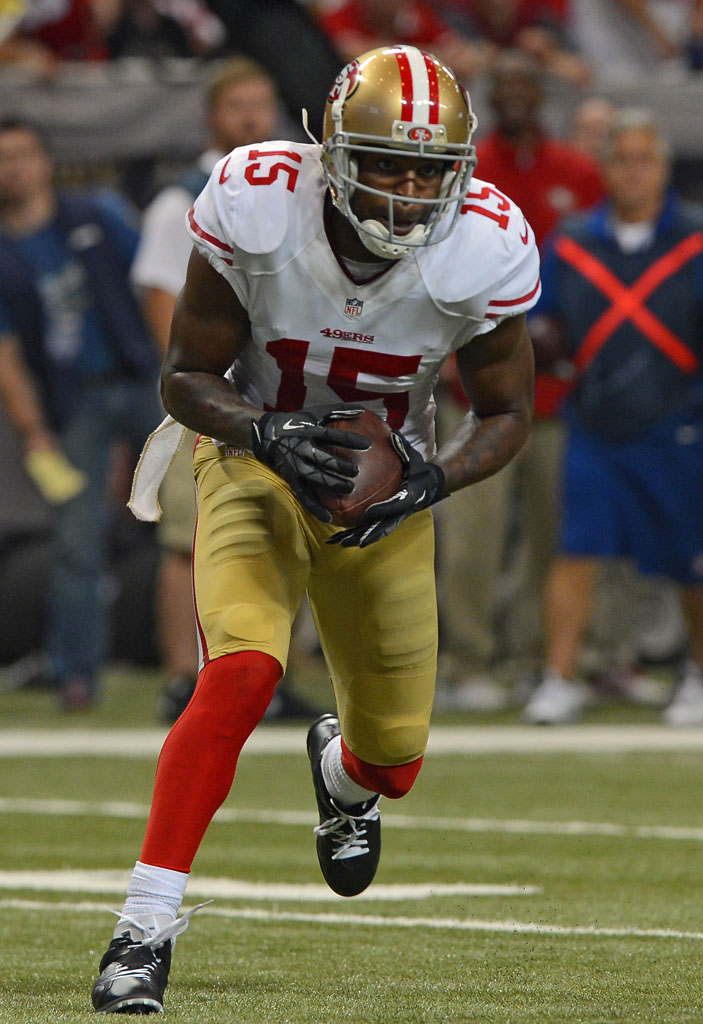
{"points": [[433, 82], [406, 85]]}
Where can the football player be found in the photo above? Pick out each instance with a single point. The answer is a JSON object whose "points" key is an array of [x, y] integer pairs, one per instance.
{"points": [[326, 279]]}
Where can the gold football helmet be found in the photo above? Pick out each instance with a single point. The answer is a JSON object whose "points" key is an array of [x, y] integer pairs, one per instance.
{"points": [[390, 99]]}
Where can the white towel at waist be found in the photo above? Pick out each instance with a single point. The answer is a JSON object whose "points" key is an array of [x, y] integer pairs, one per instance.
{"points": [[157, 455]]}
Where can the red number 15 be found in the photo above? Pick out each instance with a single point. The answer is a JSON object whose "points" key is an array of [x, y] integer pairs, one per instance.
{"points": [[347, 363], [256, 177]]}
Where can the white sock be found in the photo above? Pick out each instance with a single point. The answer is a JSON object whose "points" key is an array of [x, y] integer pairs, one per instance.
{"points": [[343, 790], [153, 897]]}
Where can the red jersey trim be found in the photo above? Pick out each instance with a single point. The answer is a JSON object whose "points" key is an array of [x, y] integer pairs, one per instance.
{"points": [[505, 303], [201, 233]]}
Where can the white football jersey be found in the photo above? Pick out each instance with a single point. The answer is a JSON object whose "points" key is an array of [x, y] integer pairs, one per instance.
{"points": [[316, 336]]}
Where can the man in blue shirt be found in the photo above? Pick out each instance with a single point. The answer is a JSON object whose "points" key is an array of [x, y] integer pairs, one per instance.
{"points": [[78, 371], [624, 283]]}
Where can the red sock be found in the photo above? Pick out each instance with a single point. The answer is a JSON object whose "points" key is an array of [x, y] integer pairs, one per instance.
{"points": [[392, 781], [197, 762]]}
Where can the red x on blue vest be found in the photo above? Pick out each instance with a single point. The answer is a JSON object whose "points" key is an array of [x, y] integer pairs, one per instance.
{"points": [[628, 302]]}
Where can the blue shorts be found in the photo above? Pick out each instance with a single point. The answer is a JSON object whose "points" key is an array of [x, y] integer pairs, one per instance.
{"points": [[641, 499]]}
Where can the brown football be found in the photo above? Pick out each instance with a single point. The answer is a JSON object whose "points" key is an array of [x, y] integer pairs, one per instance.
{"points": [[380, 470]]}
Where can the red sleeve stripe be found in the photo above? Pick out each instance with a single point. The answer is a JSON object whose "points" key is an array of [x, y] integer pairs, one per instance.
{"points": [[201, 233], [504, 303]]}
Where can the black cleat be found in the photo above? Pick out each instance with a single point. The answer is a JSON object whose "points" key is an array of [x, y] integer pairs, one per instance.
{"points": [[349, 839], [133, 977]]}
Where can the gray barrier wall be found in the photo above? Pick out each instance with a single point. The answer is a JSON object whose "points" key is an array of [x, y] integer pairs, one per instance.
{"points": [[133, 109]]}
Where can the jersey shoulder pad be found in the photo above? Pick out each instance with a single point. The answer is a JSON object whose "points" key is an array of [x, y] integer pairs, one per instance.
{"points": [[265, 193], [490, 256]]}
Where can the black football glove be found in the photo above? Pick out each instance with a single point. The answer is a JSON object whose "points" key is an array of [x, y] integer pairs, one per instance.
{"points": [[296, 445], [423, 485]]}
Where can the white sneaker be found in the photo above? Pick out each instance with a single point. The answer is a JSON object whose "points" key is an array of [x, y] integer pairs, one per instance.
{"points": [[475, 693], [644, 689], [629, 685], [556, 701], [686, 706]]}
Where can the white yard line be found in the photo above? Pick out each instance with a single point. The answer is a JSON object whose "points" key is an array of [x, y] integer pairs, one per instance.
{"points": [[235, 889], [378, 921], [269, 816], [444, 739]]}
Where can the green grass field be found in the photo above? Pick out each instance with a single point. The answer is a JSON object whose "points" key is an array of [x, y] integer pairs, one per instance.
{"points": [[514, 887]]}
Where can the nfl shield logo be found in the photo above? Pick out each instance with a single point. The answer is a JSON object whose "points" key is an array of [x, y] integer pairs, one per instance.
{"points": [[353, 308]]}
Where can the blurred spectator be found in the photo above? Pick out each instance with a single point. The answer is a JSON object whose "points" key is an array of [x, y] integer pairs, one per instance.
{"points": [[547, 179], [537, 27], [165, 28], [625, 39], [694, 43], [356, 26], [96, 30], [284, 37], [590, 124], [656, 630], [25, 531], [624, 283], [49, 33], [674, 27], [77, 371], [242, 109]]}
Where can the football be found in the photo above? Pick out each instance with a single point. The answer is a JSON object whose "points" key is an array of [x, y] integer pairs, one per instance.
{"points": [[380, 470]]}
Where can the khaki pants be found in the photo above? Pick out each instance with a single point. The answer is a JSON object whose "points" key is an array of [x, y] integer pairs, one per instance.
{"points": [[495, 543]]}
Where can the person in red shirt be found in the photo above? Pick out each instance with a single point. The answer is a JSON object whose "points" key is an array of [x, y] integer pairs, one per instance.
{"points": [[360, 25], [46, 35], [548, 179], [536, 27]]}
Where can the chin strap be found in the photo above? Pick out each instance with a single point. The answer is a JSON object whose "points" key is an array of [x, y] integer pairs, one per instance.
{"points": [[306, 128], [377, 239]]}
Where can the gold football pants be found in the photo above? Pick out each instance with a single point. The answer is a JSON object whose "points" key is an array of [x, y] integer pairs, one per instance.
{"points": [[257, 552]]}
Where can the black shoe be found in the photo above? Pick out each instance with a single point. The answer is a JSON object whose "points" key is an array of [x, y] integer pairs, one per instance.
{"points": [[348, 839], [175, 698], [133, 977]]}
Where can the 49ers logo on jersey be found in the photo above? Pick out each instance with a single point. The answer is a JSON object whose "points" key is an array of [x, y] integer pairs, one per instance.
{"points": [[362, 339], [351, 72]]}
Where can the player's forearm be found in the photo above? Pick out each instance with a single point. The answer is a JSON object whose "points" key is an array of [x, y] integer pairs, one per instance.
{"points": [[479, 448], [208, 331], [209, 405], [497, 373]]}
